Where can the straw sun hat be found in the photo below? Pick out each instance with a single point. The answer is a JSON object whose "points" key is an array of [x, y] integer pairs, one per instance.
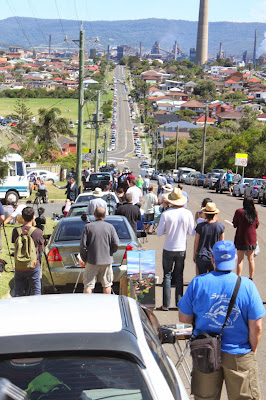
{"points": [[176, 197], [210, 208]]}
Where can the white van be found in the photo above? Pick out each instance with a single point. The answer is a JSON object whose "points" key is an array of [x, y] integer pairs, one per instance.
{"points": [[16, 184]]}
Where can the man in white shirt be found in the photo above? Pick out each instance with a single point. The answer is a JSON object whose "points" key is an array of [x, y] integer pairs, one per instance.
{"points": [[135, 192], [176, 223], [150, 200], [96, 202]]}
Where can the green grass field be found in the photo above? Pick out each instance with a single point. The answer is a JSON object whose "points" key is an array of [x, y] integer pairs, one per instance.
{"points": [[7, 277]]}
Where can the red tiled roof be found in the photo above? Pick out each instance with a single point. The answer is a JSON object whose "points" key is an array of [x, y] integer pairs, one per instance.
{"points": [[253, 80], [193, 104], [263, 116], [202, 119]]}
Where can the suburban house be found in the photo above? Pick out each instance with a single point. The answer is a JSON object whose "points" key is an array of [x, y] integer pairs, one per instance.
{"points": [[230, 116], [194, 105], [152, 76], [262, 118], [168, 130], [201, 121], [68, 146]]}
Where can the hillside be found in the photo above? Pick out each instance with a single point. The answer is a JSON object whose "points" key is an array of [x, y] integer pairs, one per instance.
{"points": [[236, 37]]}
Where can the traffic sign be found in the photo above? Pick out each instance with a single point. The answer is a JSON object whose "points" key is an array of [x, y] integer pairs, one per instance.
{"points": [[241, 159]]}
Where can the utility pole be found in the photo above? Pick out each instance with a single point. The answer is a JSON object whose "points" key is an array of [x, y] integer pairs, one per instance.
{"points": [[204, 139], [97, 130], [156, 155], [80, 43], [176, 145], [105, 148]]}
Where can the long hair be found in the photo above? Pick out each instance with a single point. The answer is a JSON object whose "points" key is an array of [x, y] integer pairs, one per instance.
{"points": [[249, 209]]}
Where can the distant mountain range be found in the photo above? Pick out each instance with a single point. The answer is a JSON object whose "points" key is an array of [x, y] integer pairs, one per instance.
{"points": [[27, 32]]}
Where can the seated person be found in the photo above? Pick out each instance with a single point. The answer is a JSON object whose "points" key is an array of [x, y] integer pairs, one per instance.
{"points": [[42, 191]]}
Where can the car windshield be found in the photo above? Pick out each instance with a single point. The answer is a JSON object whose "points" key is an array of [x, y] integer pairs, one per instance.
{"points": [[99, 177], [70, 378], [68, 231], [260, 182], [86, 198]]}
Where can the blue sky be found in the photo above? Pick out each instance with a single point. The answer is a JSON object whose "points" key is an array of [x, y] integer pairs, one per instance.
{"points": [[88, 10], [147, 261]]}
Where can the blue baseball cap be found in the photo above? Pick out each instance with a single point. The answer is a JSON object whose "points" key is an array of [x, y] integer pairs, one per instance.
{"points": [[224, 253]]}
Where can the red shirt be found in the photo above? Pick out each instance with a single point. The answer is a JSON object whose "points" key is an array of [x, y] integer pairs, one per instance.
{"points": [[245, 233]]}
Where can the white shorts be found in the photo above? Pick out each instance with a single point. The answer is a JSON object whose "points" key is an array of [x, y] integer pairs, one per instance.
{"points": [[103, 272]]}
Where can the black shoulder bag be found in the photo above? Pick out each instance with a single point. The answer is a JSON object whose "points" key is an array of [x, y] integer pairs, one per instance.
{"points": [[205, 348]]}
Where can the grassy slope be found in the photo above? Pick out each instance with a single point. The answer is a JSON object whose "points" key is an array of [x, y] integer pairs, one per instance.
{"points": [[7, 278]]}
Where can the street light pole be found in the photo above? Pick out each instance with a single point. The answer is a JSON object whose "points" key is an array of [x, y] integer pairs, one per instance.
{"points": [[97, 130], [80, 109], [204, 139]]}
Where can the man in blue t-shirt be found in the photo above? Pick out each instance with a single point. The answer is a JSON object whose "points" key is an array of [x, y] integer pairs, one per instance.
{"points": [[229, 178], [207, 299]]}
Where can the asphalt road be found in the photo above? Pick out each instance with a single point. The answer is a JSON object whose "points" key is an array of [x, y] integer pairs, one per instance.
{"points": [[227, 205]]}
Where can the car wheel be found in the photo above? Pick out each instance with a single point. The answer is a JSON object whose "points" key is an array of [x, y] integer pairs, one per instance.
{"points": [[234, 194], [221, 191], [259, 200], [217, 190], [11, 196]]}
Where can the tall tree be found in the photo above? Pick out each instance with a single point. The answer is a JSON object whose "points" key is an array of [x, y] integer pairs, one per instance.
{"points": [[24, 117], [46, 132]]}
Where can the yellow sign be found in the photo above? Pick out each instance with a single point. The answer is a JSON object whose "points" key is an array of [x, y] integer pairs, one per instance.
{"points": [[102, 163], [86, 150], [241, 155]]}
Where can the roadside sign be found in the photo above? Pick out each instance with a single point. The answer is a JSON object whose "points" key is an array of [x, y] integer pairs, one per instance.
{"points": [[86, 150], [241, 159]]}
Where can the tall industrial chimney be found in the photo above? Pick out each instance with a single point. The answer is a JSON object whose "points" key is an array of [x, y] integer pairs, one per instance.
{"points": [[202, 38], [221, 50], [50, 44], [255, 49], [175, 50]]}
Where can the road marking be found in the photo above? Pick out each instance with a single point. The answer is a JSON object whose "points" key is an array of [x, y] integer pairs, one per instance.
{"points": [[230, 223]]}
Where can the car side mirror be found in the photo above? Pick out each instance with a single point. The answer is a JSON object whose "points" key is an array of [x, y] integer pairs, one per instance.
{"points": [[167, 335]]}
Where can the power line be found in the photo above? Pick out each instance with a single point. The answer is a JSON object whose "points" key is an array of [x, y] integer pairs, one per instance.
{"points": [[87, 12], [36, 20], [76, 14], [61, 23], [19, 24]]}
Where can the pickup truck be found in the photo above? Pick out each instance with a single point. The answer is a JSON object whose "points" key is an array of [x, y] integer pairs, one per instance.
{"points": [[101, 180]]}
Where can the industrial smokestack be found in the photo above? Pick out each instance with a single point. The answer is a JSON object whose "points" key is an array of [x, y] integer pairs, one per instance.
{"points": [[202, 38], [140, 49], [175, 50], [50, 44], [221, 50], [255, 49]]}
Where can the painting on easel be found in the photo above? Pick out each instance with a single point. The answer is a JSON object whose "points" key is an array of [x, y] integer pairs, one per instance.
{"points": [[141, 276]]}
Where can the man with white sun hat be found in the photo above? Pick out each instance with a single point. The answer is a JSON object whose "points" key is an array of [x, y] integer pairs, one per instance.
{"points": [[176, 223]]}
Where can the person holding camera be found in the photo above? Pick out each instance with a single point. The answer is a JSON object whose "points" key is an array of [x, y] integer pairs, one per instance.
{"points": [[206, 301]]}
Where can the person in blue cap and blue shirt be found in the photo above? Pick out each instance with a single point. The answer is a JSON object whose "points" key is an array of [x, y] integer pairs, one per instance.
{"points": [[206, 300]]}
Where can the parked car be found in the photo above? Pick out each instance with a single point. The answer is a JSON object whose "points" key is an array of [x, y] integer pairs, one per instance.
{"points": [[100, 179], [253, 187], [85, 347], [213, 179], [199, 179], [110, 198], [184, 171], [262, 194], [44, 174], [239, 187], [63, 248], [190, 177]]}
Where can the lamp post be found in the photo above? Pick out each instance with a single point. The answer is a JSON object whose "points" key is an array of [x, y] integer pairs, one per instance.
{"points": [[204, 138]]}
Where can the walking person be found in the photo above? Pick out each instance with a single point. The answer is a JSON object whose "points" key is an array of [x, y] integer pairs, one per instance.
{"points": [[97, 201], [205, 304], [161, 179], [246, 222], [135, 192], [184, 193], [71, 189], [229, 179], [30, 273], [99, 242], [139, 182], [150, 201], [146, 184], [176, 223], [207, 234], [200, 216], [130, 211]]}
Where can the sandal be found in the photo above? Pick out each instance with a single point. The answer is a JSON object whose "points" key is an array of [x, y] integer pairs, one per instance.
{"points": [[162, 308]]}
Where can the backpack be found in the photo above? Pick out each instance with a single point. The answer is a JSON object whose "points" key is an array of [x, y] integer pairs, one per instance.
{"points": [[25, 251]]}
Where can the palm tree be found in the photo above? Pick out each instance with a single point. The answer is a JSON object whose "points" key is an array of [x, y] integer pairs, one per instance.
{"points": [[46, 132]]}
